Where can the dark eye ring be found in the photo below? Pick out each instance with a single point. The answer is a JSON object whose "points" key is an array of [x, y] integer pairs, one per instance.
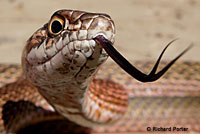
{"points": [[56, 25]]}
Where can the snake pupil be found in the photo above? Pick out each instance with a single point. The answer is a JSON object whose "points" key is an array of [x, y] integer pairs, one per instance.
{"points": [[56, 26]]}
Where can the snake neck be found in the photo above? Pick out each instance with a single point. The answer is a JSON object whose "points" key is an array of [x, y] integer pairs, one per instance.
{"points": [[90, 102], [66, 94], [94, 102]]}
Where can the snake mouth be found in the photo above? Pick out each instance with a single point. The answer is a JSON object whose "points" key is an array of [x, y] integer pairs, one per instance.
{"points": [[129, 68]]}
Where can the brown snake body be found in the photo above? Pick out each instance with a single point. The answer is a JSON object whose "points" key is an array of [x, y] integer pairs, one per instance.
{"points": [[59, 62]]}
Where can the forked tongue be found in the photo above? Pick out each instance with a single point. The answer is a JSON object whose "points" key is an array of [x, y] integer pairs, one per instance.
{"points": [[129, 68]]}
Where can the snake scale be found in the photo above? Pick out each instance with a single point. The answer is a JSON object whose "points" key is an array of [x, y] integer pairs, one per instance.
{"points": [[55, 91]]}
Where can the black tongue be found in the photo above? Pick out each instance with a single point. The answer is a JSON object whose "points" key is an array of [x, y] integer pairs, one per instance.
{"points": [[130, 69]]}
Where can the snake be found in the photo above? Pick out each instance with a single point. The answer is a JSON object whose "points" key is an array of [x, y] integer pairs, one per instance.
{"points": [[62, 85]]}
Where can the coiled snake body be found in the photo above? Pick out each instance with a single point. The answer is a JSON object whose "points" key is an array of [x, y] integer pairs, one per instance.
{"points": [[59, 63]]}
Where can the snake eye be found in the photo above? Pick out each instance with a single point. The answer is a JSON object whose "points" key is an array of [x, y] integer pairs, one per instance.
{"points": [[56, 25]]}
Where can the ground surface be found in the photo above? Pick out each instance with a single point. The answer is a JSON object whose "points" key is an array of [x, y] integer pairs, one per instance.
{"points": [[143, 27]]}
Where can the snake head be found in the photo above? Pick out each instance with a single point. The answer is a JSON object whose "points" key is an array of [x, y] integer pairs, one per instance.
{"points": [[64, 49], [60, 58]]}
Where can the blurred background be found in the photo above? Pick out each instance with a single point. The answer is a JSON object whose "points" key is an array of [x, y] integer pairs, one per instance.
{"points": [[143, 27]]}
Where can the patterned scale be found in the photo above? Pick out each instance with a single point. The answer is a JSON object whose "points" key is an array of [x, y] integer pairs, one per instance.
{"points": [[176, 104]]}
